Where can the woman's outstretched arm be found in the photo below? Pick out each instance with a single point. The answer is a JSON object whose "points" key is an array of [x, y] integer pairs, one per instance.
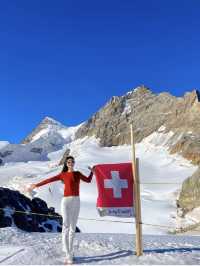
{"points": [[46, 181]]}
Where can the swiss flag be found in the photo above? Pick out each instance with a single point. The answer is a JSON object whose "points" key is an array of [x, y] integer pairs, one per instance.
{"points": [[115, 189]]}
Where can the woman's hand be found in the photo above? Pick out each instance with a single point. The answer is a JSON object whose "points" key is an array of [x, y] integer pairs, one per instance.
{"points": [[31, 187], [92, 169]]}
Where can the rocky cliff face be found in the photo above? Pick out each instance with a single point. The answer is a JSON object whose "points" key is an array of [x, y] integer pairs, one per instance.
{"points": [[148, 112], [187, 124], [112, 122], [190, 193]]}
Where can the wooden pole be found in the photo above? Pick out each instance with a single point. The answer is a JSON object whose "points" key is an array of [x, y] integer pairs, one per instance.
{"points": [[137, 202], [139, 219]]}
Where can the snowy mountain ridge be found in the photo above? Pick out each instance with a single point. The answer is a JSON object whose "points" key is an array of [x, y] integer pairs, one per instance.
{"points": [[49, 136]]}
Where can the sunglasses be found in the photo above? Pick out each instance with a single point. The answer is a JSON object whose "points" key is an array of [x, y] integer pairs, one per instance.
{"points": [[70, 161]]}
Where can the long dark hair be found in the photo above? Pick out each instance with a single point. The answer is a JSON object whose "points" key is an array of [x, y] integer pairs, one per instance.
{"points": [[65, 167]]}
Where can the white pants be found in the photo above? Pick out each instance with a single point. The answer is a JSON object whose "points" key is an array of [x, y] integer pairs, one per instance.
{"points": [[70, 207]]}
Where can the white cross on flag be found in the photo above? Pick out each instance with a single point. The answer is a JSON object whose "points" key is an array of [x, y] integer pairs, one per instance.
{"points": [[115, 189]]}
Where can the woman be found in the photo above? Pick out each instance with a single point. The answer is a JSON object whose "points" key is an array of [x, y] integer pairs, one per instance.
{"points": [[70, 204]]}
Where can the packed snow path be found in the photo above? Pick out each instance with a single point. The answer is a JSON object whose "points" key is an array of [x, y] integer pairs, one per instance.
{"points": [[45, 249]]}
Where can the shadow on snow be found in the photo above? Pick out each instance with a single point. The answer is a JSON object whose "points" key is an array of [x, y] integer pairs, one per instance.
{"points": [[107, 257], [126, 253], [164, 250]]}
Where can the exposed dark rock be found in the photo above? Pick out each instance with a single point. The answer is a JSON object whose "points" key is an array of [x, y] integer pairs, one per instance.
{"points": [[39, 206], [36, 150], [5, 153], [28, 215]]}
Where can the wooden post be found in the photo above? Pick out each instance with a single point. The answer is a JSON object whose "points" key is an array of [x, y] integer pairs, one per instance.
{"points": [[137, 202]]}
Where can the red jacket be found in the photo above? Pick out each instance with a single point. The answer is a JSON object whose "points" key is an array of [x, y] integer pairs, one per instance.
{"points": [[71, 182]]}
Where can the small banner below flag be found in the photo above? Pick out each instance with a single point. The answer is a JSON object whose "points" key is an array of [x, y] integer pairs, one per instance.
{"points": [[115, 189]]}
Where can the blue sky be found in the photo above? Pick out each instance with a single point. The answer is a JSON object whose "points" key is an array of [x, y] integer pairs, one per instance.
{"points": [[66, 58]]}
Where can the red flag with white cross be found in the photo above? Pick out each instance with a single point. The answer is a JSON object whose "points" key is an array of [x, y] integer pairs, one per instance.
{"points": [[115, 189]]}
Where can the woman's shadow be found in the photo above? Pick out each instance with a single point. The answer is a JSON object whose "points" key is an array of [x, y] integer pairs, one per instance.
{"points": [[106, 257]]}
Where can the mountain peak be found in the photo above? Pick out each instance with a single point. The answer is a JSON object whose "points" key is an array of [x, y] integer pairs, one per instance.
{"points": [[139, 90], [50, 121], [142, 89], [46, 125]]}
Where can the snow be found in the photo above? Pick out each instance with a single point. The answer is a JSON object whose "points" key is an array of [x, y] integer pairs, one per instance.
{"points": [[40, 134], [52, 120], [44, 143], [54, 126], [106, 249], [158, 138], [190, 219], [3, 144], [194, 215], [51, 126], [100, 241], [127, 108], [66, 132], [69, 133]]}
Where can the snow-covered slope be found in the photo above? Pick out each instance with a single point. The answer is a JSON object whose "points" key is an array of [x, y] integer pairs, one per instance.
{"points": [[156, 166], [46, 126], [50, 126]]}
